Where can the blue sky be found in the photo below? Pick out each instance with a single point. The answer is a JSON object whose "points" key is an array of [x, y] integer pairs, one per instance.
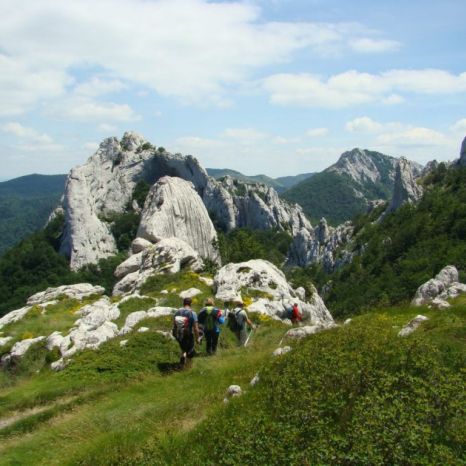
{"points": [[276, 87]]}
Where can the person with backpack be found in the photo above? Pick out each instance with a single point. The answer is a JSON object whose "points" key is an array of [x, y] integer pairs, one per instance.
{"points": [[296, 315], [211, 318], [186, 330], [239, 322]]}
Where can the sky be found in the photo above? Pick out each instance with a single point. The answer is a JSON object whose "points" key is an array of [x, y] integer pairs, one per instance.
{"points": [[278, 87]]}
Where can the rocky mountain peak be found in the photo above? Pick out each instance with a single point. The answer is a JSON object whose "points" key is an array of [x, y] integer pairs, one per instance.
{"points": [[363, 165]]}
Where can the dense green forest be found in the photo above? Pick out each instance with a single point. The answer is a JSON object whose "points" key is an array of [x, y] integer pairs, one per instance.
{"points": [[409, 247], [25, 205]]}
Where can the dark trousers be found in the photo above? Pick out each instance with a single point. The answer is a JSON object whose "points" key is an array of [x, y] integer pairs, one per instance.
{"points": [[211, 339], [187, 345]]}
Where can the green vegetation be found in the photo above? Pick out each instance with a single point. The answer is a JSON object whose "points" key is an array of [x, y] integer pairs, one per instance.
{"points": [[25, 205], [408, 248], [244, 244]]}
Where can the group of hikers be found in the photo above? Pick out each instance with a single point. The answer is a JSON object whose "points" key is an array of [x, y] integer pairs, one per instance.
{"points": [[190, 328]]}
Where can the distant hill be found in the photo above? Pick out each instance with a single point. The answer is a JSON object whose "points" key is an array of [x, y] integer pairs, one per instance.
{"points": [[280, 184], [344, 189], [25, 204]]}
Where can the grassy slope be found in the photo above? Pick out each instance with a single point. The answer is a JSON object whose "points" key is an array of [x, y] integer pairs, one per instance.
{"points": [[125, 405]]}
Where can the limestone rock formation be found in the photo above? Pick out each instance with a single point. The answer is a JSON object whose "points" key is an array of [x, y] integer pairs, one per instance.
{"points": [[167, 256], [281, 351], [104, 186], [273, 293], [412, 325], [462, 160], [135, 317], [173, 209], [14, 316], [321, 245], [437, 290], [301, 332], [19, 349], [77, 291], [406, 189]]}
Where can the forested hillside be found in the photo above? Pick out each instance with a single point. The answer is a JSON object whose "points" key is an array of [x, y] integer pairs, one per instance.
{"points": [[25, 205], [407, 248]]}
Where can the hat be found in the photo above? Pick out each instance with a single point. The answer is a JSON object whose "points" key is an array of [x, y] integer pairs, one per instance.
{"points": [[238, 300]]}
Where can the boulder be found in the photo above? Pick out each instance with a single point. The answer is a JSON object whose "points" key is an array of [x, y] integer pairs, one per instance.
{"points": [[96, 314], [167, 256], [255, 380], [14, 316], [440, 287], [139, 244], [173, 209], [78, 291], [412, 325], [82, 338], [4, 340], [190, 293], [123, 343], [135, 317], [234, 390], [281, 351], [143, 329], [132, 264], [301, 332], [274, 294], [20, 348]]}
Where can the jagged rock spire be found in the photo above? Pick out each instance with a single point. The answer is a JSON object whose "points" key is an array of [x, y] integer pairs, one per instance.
{"points": [[406, 189]]}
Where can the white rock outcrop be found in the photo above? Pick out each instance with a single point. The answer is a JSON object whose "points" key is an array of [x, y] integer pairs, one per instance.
{"points": [[406, 188], [274, 292], [281, 351], [190, 293], [306, 330], [322, 245], [14, 316], [20, 348], [437, 290], [135, 317], [173, 209], [78, 291], [5, 340], [412, 325], [167, 256]]}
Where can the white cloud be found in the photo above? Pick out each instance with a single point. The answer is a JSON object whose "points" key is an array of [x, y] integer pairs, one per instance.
{"points": [[243, 134], [459, 126], [317, 132], [97, 86], [369, 45], [355, 88], [84, 109], [194, 50], [363, 125], [418, 137], [106, 128], [29, 139], [192, 143]]}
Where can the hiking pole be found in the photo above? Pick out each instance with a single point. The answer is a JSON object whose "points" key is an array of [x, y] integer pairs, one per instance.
{"points": [[249, 337]]}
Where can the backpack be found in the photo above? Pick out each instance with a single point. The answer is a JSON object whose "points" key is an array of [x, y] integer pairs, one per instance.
{"points": [[289, 312], [210, 318], [233, 323], [181, 326]]}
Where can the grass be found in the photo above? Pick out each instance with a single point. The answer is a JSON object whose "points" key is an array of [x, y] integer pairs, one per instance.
{"points": [[131, 405], [153, 401]]}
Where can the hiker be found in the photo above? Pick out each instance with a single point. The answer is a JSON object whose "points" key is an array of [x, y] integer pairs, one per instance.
{"points": [[296, 315], [185, 330], [211, 318], [240, 321]]}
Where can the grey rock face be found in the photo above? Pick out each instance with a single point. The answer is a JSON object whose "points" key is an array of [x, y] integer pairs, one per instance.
{"points": [[301, 332], [271, 283], [78, 291], [321, 245], [462, 160], [406, 189], [167, 256], [437, 290], [173, 209], [412, 326]]}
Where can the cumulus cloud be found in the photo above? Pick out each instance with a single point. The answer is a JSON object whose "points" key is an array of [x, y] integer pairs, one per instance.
{"points": [[243, 134], [355, 88], [369, 45], [155, 44], [317, 132], [418, 136], [29, 139], [459, 126], [363, 125]]}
